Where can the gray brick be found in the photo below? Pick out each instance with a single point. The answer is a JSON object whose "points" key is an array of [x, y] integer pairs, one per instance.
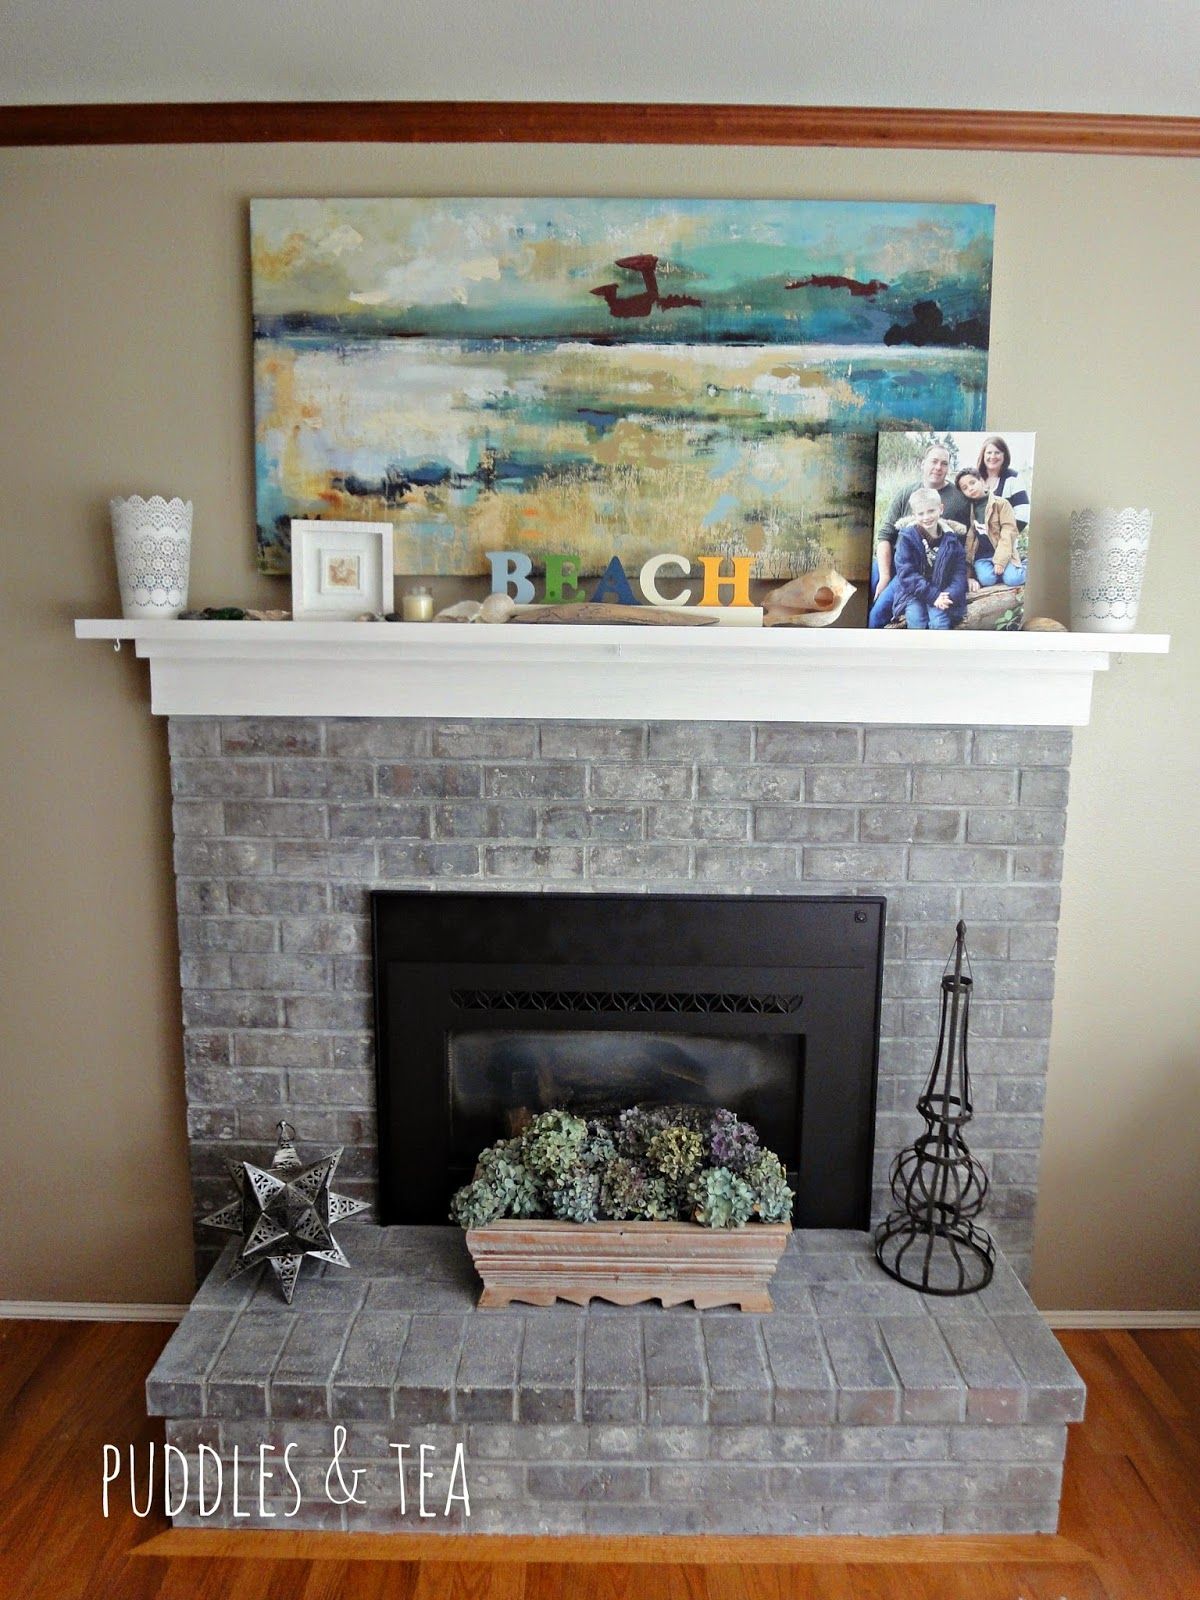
{"points": [[198, 819], [666, 781], [1021, 903], [243, 934], [929, 863], [428, 861], [362, 1382], [205, 972], [325, 1086], [560, 1441], [825, 824], [708, 1480], [237, 1384], [230, 1009], [589, 1483], [193, 736], [532, 861], [1044, 786], [771, 785], [806, 746], [220, 779], [869, 863], [274, 819], [641, 1443], [431, 780], [223, 858], [868, 1390], [591, 822], [863, 1518], [380, 821], [301, 1379], [804, 1388], [1019, 1444], [176, 1381], [872, 1296], [343, 859], [1027, 1019], [1057, 1391], [915, 746], [862, 784], [997, 1391], [916, 902], [1031, 1517], [592, 741], [332, 780], [890, 1443], [933, 1390], [463, 740], [932, 942], [325, 935], [1034, 943], [424, 1381], [281, 974], [382, 739], [739, 1382], [551, 780], [550, 1368], [1015, 980], [637, 861], [901, 824], [485, 1385], [830, 1481], [964, 786], [270, 736], [1037, 864], [676, 1376], [353, 974], [339, 1013], [219, 1085], [773, 864], [208, 1124], [201, 899], [1021, 825], [1022, 747], [479, 821], [698, 822], [251, 897], [704, 742], [612, 1370], [281, 1050]]}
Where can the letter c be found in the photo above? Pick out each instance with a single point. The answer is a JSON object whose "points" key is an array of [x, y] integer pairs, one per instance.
{"points": [[651, 571]]}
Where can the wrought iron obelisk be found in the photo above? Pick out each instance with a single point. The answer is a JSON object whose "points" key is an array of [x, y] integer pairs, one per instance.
{"points": [[931, 1241]]}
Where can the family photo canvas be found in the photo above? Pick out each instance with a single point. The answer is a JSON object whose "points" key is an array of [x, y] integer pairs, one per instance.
{"points": [[951, 530]]}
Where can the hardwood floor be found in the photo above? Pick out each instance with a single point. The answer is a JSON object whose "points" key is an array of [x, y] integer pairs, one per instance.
{"points": [[1130, 1528]]}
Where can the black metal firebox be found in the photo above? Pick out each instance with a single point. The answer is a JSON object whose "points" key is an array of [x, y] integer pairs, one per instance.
{"points": [[490, 1007]]}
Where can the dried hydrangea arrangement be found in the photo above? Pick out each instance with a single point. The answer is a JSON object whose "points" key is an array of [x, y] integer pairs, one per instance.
{"points": [[650, 1163]]}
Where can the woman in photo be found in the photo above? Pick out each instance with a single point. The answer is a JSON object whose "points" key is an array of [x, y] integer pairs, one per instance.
{"points": [[997, 471]]}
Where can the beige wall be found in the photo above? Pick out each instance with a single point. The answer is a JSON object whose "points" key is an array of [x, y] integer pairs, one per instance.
{"points": [[124, 348]]}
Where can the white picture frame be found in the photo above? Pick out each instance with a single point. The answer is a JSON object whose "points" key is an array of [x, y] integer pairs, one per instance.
{"points": [[341, 570]]}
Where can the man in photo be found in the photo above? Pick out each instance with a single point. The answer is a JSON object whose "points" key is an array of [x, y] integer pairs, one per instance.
{"points": [[935, 473], [930, 585]]}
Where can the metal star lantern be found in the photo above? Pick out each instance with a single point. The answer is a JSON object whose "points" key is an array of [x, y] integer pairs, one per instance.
{"points": [[285, 1212]]}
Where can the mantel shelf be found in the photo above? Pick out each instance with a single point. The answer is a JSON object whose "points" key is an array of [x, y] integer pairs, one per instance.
{"points": [[349, 669]]}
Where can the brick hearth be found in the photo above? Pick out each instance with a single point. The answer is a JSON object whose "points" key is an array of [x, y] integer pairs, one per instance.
{"points": [[857, 1406]]}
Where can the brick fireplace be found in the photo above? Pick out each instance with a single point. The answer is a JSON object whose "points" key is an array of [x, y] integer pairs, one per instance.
{"points": [[283, 826]]}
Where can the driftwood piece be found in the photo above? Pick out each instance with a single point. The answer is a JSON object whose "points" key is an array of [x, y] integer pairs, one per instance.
{"points": [[986, 606], [588, 615], [537, 1262]]}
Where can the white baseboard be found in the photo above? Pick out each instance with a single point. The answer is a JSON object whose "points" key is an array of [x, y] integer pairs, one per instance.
{"points": [[87, 1311], [1123, 1319]]}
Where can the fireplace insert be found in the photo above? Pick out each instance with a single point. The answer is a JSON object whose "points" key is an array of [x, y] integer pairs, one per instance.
{"points": [[490, 1007]]}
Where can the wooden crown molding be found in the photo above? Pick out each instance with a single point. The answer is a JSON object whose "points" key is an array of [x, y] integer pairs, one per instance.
{"points": [[574, 122]]}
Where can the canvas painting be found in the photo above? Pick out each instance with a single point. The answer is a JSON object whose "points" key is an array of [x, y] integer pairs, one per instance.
{"points": [[952, 520], [601, 377]]}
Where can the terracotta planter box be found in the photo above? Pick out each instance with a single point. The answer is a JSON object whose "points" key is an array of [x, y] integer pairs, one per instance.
{"points": [[538, 1262]]}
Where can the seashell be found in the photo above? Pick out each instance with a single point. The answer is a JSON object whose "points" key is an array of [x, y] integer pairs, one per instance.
{"points": [[813, 600], [461, 611], [1042, 625], [497, 608]]}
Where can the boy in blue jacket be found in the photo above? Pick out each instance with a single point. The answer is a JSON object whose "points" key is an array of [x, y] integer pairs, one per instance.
{"points": [[931, 566]]}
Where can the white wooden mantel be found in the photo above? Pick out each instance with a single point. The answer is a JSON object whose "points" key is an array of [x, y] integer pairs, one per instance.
{"points": [[360, 669]]}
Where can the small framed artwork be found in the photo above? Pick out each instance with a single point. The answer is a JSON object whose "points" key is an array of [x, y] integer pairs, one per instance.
{"points": [[952, 524], [340, 570]]}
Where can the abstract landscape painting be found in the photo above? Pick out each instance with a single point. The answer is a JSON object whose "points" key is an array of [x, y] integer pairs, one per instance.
{"points": [[601, 377]]}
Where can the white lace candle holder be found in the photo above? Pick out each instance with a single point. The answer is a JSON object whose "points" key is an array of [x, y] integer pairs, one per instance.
{"points": [[1108, 561], [153, 543]]}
